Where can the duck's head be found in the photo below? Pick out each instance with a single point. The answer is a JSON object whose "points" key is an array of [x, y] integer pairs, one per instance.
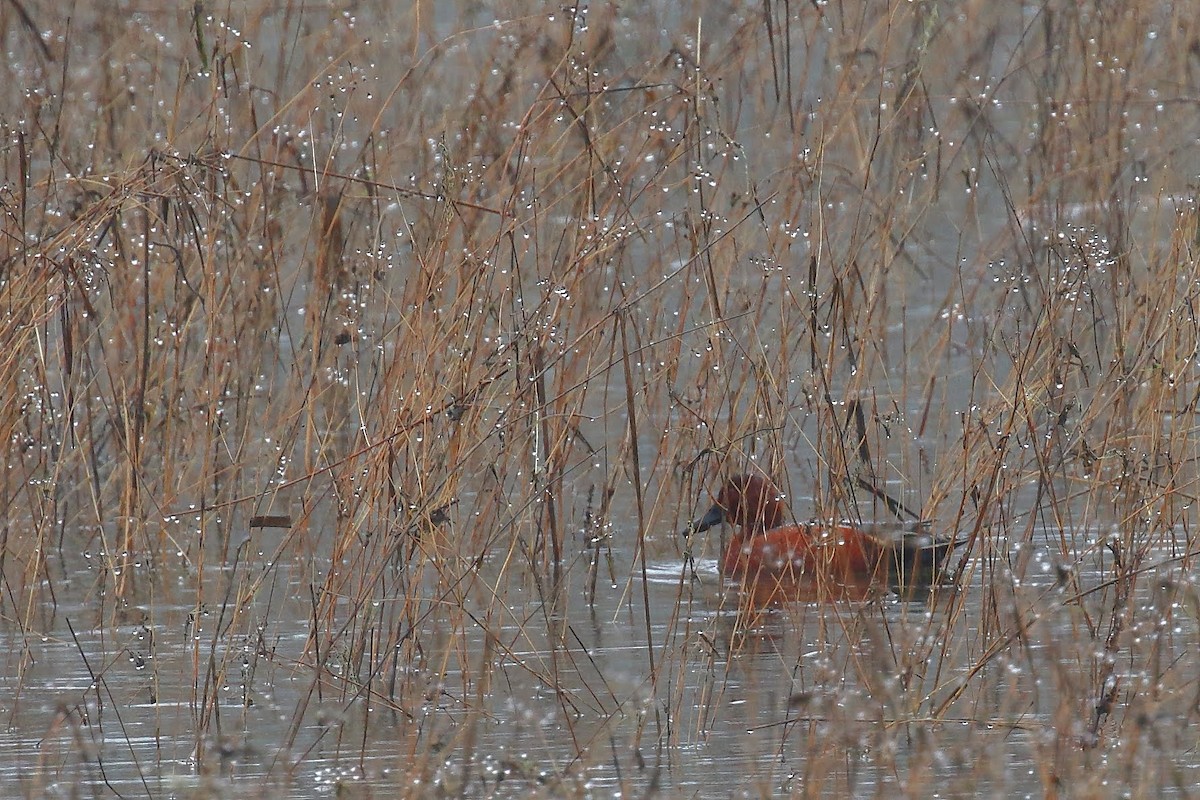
{"points": [[750, 501]]}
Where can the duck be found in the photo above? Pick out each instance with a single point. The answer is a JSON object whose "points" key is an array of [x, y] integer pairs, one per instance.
{"points": [[767, 551]]}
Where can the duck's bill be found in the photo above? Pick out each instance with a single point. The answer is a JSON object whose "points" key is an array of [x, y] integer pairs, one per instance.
{"points": [[712, 518]]}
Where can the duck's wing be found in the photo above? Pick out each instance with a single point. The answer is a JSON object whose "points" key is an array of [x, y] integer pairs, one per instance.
{"points": [[912, 536], [916, 555]]}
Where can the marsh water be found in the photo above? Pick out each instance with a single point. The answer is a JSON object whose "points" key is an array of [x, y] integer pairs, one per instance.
{"points": [[687, 697], [337, 544]]}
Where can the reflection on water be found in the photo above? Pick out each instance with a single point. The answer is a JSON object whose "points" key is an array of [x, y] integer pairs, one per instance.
{"points": [[468, 311], [841, 698]]}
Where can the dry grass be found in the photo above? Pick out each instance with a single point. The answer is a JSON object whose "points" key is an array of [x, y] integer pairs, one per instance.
{"points": [[419, 337]]}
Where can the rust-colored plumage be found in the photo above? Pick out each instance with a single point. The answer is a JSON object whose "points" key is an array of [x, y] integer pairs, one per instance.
{"points": [[767, 551]]}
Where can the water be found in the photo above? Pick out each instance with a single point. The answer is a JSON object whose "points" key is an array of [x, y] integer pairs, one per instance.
{"points": [[744, 249], [696, 698]]}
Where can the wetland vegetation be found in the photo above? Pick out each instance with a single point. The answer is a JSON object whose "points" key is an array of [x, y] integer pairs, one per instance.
{"points": [[363, 361]]}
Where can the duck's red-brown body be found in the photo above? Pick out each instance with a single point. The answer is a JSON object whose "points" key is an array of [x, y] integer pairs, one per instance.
{"points": [[766, 551]]}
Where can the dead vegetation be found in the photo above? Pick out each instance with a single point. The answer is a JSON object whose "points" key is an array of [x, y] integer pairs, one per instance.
{"points": [[363, 363]]}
